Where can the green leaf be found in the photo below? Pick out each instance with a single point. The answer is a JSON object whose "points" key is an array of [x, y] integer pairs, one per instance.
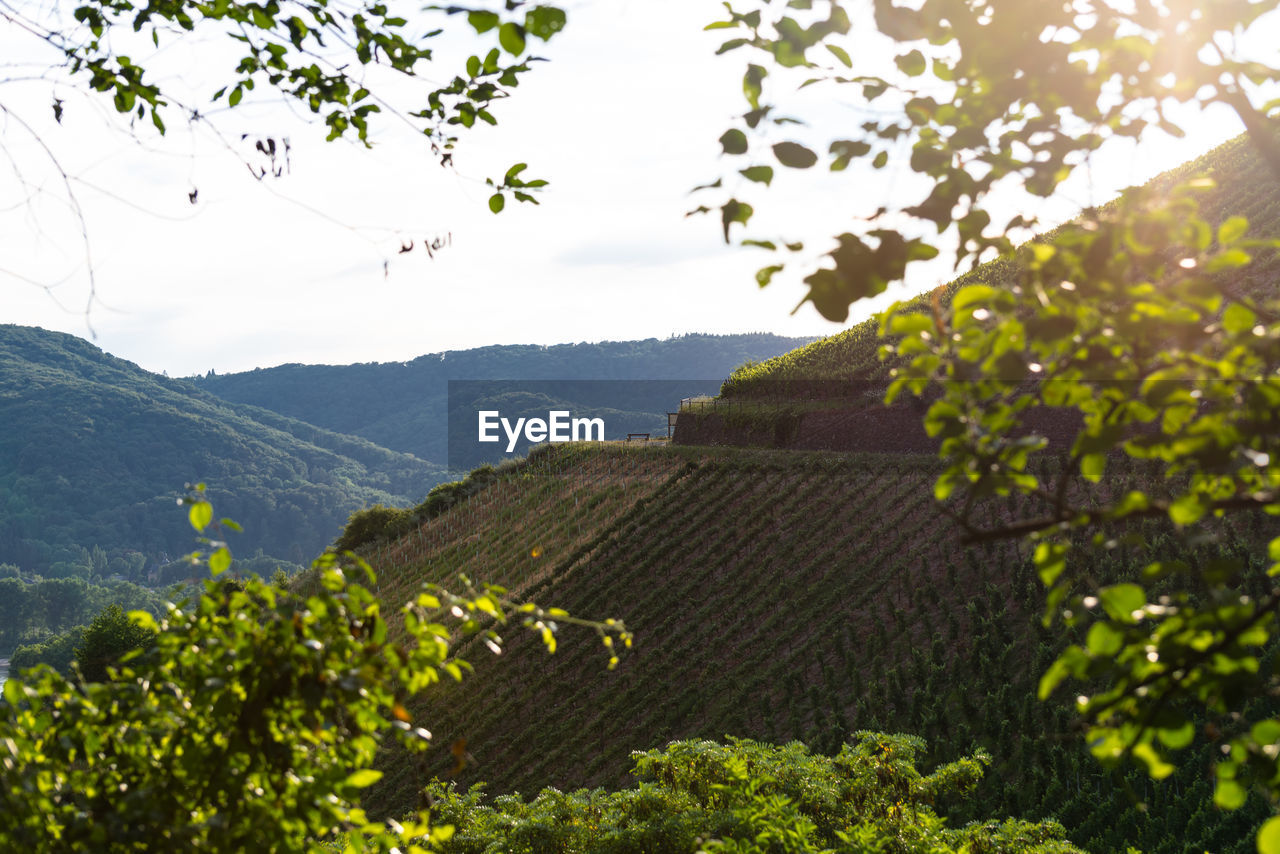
{"points": [[1050, 560], [1269, 836], [974, 295], [1229, 260], [1228, 795], [13, 693], [765, 274], [1187, 510], [1157, 767], [543, 22], [145, 620], [364, 778], [482, 21], [1093, 467], [1120, 601], [911, 64], [753, 84], [840, 54], [497, 202], [1177, 737], [794, 154], [1052, 678], [1236, 319], [734, 141], [1104, 640], [759, 174], [734, 211], [200, 514], [844, 150], [219, 562], [511, 37], [1232, 230]]}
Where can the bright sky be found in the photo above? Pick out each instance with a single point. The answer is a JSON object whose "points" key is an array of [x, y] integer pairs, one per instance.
{"points": [[623, 122]]}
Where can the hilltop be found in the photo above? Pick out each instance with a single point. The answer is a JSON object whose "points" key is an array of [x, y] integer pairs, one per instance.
{"points": [[404, 405], [95, 451], [848, 364]]}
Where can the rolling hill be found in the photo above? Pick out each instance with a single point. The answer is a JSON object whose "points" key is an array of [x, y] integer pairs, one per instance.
{"points": [[95, 451], [405, 406]]}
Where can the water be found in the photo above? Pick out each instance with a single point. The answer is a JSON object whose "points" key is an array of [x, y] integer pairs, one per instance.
{"points": [[4, 671]]}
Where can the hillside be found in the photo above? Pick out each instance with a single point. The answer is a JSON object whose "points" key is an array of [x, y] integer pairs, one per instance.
{"points": [[404, 406], [846, 365], [95, 451], [773, 595]]}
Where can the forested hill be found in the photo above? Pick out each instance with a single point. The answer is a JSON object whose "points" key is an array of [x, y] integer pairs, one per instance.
{"points": [[403, 405], [95, 450]]}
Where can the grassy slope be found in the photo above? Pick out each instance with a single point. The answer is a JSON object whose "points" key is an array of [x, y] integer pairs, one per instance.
{"points": [[776, 595], [851, 356], [95, 449]]}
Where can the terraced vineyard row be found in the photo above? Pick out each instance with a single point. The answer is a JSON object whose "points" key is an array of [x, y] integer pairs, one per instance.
{"points": [[518, 528], [779, 596]]}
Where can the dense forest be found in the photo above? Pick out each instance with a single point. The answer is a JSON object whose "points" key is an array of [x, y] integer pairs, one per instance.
{"points": [[96, 451]]}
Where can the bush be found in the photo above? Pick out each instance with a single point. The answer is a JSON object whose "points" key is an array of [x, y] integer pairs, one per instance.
{"points": [[371, 524], [57, 652], [106, 640], [746, 796]]}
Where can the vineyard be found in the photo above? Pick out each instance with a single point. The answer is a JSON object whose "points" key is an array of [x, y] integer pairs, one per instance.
{"points": [[776, 596], [847, 365]]}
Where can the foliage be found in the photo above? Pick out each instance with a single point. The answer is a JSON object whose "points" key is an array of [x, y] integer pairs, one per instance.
{"points": [[1129, 315], [30, 611], [106, 640], [372, 523], [338, 62], [747, 796], [58, 652], [267, 706]]}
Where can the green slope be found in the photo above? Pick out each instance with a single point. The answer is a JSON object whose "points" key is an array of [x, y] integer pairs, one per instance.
{"points": [[826, 367], [95, 451], [774, 595], [404, 406]]}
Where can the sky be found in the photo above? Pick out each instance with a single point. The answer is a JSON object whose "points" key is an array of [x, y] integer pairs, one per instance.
{"points": [[623, 121]]}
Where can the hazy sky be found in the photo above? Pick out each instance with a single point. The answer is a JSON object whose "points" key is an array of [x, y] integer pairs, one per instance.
{"points": [[623, 121]]}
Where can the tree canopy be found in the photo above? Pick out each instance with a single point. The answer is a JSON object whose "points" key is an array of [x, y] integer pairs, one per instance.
{"points": [[268, 707], [340, 62]]}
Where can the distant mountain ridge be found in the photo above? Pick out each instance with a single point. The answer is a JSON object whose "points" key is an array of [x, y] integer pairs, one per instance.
{"points": [[403, 405], [95, 451]]}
